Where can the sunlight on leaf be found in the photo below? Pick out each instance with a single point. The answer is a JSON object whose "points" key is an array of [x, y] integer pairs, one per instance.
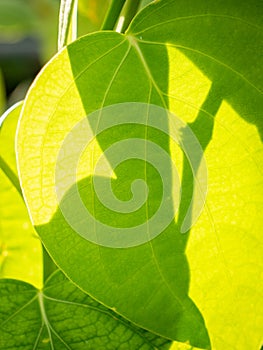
{"points": [[58, 113], [201, 60], [188, 86], [20, 248], [224, 248]]}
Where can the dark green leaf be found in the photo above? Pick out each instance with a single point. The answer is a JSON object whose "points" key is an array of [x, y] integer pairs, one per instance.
{"points": [[62, 317]]}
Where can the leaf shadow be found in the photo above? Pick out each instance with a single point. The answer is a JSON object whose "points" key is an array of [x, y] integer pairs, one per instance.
{"points": [[229, 69], [156, 271]]}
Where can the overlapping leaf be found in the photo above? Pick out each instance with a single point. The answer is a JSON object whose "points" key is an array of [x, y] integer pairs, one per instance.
{"points": [[20, 248], [62, 317]]}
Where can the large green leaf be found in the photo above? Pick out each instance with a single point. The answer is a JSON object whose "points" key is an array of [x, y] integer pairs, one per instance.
{"points": [[144, 291], [60, 316], [200, 59], [20, 248]]}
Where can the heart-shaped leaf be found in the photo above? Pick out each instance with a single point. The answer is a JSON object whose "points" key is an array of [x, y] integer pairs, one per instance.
{"points": [[20, 248], [191, 58], [158, 303], [60, 316]]}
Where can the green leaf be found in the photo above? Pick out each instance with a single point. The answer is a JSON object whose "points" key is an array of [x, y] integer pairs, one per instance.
{"points": [[144, 291], [201, 59], [20, 248], [60, 316]]}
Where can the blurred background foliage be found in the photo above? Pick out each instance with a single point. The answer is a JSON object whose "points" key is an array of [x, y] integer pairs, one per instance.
{"points": [[28, 39]]}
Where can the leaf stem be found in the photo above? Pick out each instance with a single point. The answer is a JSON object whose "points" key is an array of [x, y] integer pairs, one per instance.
{"points": [[74, 23], [129, 11], [112, 14], [67, 29], [11, 175]]}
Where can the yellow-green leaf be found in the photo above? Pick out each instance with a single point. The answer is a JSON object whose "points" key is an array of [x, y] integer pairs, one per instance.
{"points": [[201, 60], [20, 248]]}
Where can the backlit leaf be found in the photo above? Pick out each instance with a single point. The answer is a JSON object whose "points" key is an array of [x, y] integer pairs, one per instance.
{"points": [[201, 60], [20, 248]]}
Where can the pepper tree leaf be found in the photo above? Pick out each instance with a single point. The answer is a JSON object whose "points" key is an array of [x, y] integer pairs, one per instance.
{"points": [[20, 248], [60, 316], [191, 57]]}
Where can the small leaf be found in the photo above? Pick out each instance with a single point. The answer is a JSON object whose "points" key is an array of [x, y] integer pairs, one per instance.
{"points": [[20, 248], [62, 317]]}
